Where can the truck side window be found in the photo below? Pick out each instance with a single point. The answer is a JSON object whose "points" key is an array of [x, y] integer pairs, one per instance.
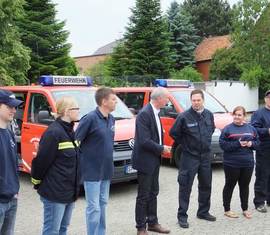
{"points": [[132, 100], [169, 108], [39, 110], [20, 109]]}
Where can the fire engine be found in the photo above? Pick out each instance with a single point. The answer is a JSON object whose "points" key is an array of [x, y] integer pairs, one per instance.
{"points": [[179, 101], [35, 114]]}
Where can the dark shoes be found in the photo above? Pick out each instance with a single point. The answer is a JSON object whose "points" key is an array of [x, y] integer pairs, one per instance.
{"points": [[142, 232], [261, 208], [207, 217], [183, 223], [158, 228]]}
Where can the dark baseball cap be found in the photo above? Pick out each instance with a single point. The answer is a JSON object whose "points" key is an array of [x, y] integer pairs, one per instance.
{"points": [[8, 98], [267, 93]]}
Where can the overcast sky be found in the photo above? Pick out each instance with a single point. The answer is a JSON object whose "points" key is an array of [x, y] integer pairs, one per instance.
{"points": [[94, 23]]}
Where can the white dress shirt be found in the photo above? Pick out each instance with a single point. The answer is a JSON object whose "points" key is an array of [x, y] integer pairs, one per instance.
{"points": [[156, 112]]}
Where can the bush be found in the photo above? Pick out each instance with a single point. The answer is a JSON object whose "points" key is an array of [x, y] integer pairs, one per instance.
{"points": [[187, 73]]}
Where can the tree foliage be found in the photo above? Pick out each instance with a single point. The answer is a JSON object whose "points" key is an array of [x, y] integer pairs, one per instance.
{"points": [[252, 37], [99, 72], [145, 46], [47, 39], [183, 36], [210, 17], [187, 73], [119, 61], [248, 59], [14, 57], [225, 64]]}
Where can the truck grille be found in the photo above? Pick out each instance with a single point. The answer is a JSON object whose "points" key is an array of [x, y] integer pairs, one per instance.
{"points": [[123, 145], [122, 163]]}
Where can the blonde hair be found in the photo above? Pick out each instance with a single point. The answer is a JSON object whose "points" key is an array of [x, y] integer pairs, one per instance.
{"points": [[63, 104]]}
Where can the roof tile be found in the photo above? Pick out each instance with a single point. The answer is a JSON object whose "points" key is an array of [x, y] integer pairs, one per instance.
{"points": [[207, 48]]}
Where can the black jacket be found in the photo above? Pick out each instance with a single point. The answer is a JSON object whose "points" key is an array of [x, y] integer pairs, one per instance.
{"points": [[194, 131], [146, 155], [55, 168]]}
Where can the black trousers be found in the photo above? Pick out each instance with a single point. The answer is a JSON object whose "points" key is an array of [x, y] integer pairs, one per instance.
{"points": [[189, 167], [268, 192], [242, 176], [262, 177], [146, 201]]}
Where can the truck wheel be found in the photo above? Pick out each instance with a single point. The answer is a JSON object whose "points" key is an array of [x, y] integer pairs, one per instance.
{"points": [[177, 156]]}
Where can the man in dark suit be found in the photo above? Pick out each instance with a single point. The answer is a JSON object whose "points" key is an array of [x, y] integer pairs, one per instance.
{"points": [[146, 160]]}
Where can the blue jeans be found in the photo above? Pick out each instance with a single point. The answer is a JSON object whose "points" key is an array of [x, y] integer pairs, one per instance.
{"points": [[7, 217], [97, 196], [56, 217]]}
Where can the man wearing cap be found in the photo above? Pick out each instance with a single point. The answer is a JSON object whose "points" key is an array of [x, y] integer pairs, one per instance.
{"points": [[261, 121], [9, 180]]}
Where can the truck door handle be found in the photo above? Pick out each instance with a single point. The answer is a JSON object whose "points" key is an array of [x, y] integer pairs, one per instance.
{"points": [[26, 127]]}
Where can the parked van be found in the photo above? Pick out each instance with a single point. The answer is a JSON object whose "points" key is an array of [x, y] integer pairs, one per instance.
{"points": [[34, 116], [179, 101]]}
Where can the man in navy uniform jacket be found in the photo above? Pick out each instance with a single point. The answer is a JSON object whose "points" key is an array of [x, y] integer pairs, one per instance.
{"points": [[146, 160], [193, 130], [261, 121], [9, 180]]}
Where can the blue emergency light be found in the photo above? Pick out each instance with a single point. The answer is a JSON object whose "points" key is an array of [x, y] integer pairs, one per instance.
{"points": [[53, 80], [173, 83]]}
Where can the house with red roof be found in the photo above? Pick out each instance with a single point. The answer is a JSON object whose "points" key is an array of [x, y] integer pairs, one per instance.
{"points": [[203, 54], [206, 49]]}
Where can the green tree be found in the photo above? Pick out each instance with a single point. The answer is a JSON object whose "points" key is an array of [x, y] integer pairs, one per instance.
{"points": [[252, 37], [245, 15], [210, 17], [183, 36], [99, 72], [225, 64], [187, 73], [145, 50], [47, 39], [248, 59], [118, 64], [14, 57]]}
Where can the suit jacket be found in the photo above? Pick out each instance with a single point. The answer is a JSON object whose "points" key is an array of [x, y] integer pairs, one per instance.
{"points": [[146, 155]]}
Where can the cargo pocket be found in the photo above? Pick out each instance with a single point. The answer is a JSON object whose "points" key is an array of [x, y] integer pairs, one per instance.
{"points": [[183, 178]]}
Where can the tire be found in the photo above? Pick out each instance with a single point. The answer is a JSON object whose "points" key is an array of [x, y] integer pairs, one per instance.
{"points": [[177, 156]]}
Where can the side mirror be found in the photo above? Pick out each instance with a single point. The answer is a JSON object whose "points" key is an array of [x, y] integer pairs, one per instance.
{"points": [[44, 117]]}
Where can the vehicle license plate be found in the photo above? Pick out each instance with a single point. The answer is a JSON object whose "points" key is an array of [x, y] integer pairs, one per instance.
{"points": [[129, 169]]}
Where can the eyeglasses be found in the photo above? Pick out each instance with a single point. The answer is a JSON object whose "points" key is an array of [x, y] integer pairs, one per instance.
{"points": [[74, 109]]}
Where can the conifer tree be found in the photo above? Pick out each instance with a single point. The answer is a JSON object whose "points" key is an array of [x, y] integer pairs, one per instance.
{"points": [[210, 17], [183, 36], [14, 57], [145, 49], [47, 39]]}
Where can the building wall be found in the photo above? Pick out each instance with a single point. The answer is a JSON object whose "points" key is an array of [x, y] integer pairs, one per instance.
{"points": [[86, 62], [203, 67]]}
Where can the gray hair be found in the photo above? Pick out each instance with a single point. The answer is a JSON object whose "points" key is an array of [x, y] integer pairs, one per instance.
{"points": [[158, 92]]}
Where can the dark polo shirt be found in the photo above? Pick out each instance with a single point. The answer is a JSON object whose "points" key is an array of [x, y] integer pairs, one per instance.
{"points": [[96, 135]]}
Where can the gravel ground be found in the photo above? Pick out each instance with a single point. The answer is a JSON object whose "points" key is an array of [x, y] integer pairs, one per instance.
{"points": [[120, 212]]}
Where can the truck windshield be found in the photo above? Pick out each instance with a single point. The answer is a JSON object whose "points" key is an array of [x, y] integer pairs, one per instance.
{"points": [[87, 103], [183, 99]]}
